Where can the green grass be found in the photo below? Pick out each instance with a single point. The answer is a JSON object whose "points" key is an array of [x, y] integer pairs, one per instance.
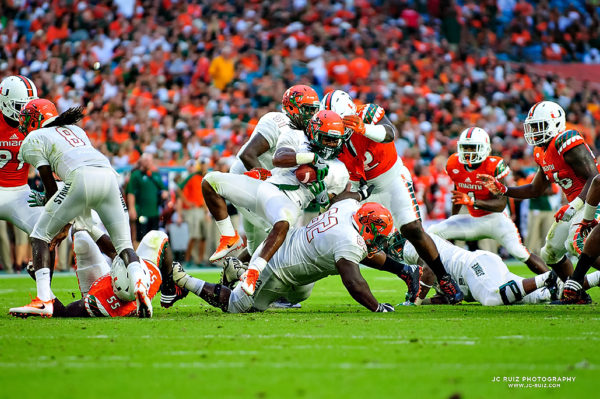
{"points": [[331, 348]]}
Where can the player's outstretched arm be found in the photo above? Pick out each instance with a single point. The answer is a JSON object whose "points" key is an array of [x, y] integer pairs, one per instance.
{"points": [[390, 130], [535, 189], [581, 160], [356, 284], [257, 146], [288, 158]]}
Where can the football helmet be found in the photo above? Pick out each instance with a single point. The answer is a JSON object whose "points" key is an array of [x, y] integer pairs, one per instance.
{"points": [[36, 114], [300, 102], [375, 224], [339, 102], [473, 146], [120, 281], [15, 92], [544, 121], [326, 134]]}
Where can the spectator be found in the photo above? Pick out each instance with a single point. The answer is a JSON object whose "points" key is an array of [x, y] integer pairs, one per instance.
{"points": [[145, 191], [222, 68]]}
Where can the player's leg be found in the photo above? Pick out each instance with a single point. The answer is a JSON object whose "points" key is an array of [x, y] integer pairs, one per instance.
{"points": [[105, 198], [553, 252], [462, 227], [64, 206], [505, 232], [216, 295], [91, 264], [74, 309], [489, 284], [241, 191]]}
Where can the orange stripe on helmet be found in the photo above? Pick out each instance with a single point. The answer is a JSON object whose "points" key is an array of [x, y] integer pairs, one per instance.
{"points": [[27, 85]]}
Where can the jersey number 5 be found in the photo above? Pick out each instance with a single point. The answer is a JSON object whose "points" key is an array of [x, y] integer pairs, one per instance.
{"points": [[321, 224], [71, 137]]}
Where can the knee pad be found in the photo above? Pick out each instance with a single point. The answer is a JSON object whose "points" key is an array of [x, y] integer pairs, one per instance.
{"points": [[510, 292], [551, 256]]}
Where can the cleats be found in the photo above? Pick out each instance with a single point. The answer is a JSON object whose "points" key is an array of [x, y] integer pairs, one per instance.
{"points": [[168, 300], [554, 285], [412, 277], [451, 290], [249, 281], [573, 294], [37, 307], [228, 246]]}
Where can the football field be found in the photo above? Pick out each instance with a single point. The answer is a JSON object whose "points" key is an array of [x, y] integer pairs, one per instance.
{"points": [[331, 348]]}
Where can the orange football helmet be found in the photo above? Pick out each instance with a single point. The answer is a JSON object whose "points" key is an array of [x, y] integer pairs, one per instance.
{"points": [[375, 225], [326, 134], [300, 102], [36, 114]]}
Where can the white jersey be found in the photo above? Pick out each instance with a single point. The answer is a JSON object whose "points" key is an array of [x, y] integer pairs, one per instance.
{"points": [[63, 148], [285, 178], [310, 253], [454, 259], [270, 126]]}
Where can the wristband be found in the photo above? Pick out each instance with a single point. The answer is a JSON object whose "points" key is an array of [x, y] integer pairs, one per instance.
{"points": [[303, 158], [589, 211], [576, 204], [375, 132]]}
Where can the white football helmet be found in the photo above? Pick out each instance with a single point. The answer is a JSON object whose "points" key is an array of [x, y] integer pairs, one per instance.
{"points": [[339, 102], [15, 92], [473, 146], [544, 121], [121, 281]]}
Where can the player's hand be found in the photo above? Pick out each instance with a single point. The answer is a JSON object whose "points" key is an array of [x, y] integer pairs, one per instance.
{"points": [[321, 166], [384, 308], [355, 123], [364, 190], [59, 237], [372, 113], [587, 226], [565, 213], [259, 173], [36, 198], [492, 184], [319, 190], [459, 198]]}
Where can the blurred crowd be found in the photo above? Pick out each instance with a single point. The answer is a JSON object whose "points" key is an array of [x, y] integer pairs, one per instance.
{"points": [[188, 80]]}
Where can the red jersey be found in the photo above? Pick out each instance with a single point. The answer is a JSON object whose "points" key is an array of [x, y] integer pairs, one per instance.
{"points": [[553, 164], [12, 172], [364, 157], [101, 301], [466, 181]]}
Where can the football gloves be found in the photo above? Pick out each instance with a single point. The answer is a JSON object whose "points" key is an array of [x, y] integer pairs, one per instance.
{"points": [[355, 123], [364, 190], [321, 166], [37, 198], [462, 198], [259, 173], [319, 190]]}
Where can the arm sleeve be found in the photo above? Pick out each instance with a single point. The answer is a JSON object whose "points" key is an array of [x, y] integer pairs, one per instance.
{"points": [[502, 170]]}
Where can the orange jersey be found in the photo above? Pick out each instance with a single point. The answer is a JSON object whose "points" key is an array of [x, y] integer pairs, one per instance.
{"points": [[101, 301], [555, 168], [12, 172], [466, 181], [364, 157]]}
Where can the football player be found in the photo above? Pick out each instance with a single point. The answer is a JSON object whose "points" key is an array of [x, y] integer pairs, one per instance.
{"points": [[106, 291], [487, 217], [587, 243], [278, 202], [563, 158], [335, 242], [15, 93], [54, 144], [370, 153], [255, 158], [482, 275]]}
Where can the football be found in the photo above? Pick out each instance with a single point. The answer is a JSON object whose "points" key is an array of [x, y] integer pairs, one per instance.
{"points": [[306, 174]]}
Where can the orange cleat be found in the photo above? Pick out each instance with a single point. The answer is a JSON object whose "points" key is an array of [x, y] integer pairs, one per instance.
{"points": [[228, 246], [249, 282], [37, 307]]}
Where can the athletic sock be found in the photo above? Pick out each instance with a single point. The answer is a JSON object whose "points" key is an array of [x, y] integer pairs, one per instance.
{"points": [[540, 279], [437, 267], [42, 282], [593, 279], [226, 227], [584, 264], [194, 285]]}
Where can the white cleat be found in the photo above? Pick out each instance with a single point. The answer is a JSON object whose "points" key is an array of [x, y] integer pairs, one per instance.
{"points": [[180, 277], [143, 301], [37, 307]]}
